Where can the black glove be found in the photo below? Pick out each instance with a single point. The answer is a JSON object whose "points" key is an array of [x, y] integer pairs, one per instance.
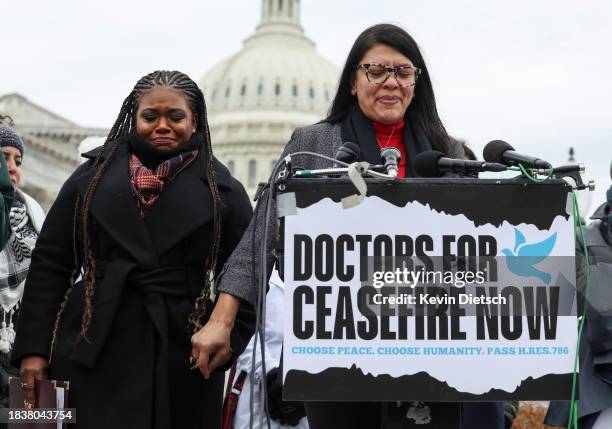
{"points": [[285, 412]]}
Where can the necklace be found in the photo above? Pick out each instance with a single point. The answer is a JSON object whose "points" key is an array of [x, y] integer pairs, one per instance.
{"points": [[389, 139]]}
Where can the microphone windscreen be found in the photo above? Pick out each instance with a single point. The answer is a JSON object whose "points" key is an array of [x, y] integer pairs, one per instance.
{"points": [[494, 151], [426, 164], [349, 152]]}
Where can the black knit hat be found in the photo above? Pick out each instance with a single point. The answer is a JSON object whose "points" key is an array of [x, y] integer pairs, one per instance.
{"points": [[9, 137]]}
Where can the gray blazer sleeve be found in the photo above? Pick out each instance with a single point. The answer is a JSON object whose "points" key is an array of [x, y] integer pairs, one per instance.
{"points": [[239, 274]]}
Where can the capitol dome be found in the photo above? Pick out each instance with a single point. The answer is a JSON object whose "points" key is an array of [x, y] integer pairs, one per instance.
{"points": [[257, 97]]}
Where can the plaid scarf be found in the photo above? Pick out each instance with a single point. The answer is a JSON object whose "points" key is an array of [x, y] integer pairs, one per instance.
{"points": [[147, 185]]}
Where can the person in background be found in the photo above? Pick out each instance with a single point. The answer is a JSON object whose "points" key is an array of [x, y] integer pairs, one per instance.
{"points": [[7, 191], [25, 217]]}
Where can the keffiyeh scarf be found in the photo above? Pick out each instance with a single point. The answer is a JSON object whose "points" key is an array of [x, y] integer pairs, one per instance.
{"points": [[14, 266]]}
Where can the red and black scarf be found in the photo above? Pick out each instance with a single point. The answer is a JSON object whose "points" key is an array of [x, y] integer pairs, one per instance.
{"points": [[148, 184]]}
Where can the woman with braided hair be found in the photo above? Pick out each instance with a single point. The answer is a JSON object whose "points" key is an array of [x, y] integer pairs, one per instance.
{"points": [[121, 277]]}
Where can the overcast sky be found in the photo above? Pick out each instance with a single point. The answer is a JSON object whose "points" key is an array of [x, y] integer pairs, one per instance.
{"points": [[537, 74]]}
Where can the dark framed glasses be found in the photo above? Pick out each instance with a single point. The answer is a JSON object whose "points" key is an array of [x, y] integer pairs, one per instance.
{"points": [[378, 74]]}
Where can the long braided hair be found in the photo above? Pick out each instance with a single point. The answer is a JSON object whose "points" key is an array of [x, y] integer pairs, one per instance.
{"points": [[125, 122]]}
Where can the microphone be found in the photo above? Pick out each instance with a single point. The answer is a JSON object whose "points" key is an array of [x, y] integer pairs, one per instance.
{"points": [[434, 164], [391, 157], [502, 152], [349, 152]]}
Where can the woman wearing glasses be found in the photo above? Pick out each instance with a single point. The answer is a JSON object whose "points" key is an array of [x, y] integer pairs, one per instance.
{"points": [[379, 103], [384, 99]]}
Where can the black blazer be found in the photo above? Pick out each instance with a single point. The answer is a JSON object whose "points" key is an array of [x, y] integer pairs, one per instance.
{"points": [[135, 360]]}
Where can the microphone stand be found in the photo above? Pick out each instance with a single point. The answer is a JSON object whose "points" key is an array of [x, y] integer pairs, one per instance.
{"points": [[327, 171], [571, 171]]}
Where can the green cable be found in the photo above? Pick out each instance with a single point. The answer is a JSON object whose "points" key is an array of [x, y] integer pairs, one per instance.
{"points": [[572, 421], [534, 179], [573, 417]]}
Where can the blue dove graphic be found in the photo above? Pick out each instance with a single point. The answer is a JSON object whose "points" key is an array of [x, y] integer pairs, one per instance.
{"points": [[521, 261]]}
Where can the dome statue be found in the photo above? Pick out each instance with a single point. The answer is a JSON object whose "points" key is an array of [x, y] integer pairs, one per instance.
{"points": [[258, 96]]}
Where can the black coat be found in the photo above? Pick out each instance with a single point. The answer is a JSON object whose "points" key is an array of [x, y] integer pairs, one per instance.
{"points": [[133, 369]]}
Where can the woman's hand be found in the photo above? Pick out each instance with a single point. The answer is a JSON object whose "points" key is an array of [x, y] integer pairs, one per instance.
{"points": [[211, 344], [211, 347], [32, 368]]}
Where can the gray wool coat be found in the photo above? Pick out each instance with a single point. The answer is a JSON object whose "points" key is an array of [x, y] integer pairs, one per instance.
{"points": [[237, 277]]}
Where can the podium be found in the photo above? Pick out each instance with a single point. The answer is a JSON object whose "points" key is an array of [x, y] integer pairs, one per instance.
{"points": [[430, 290]]}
